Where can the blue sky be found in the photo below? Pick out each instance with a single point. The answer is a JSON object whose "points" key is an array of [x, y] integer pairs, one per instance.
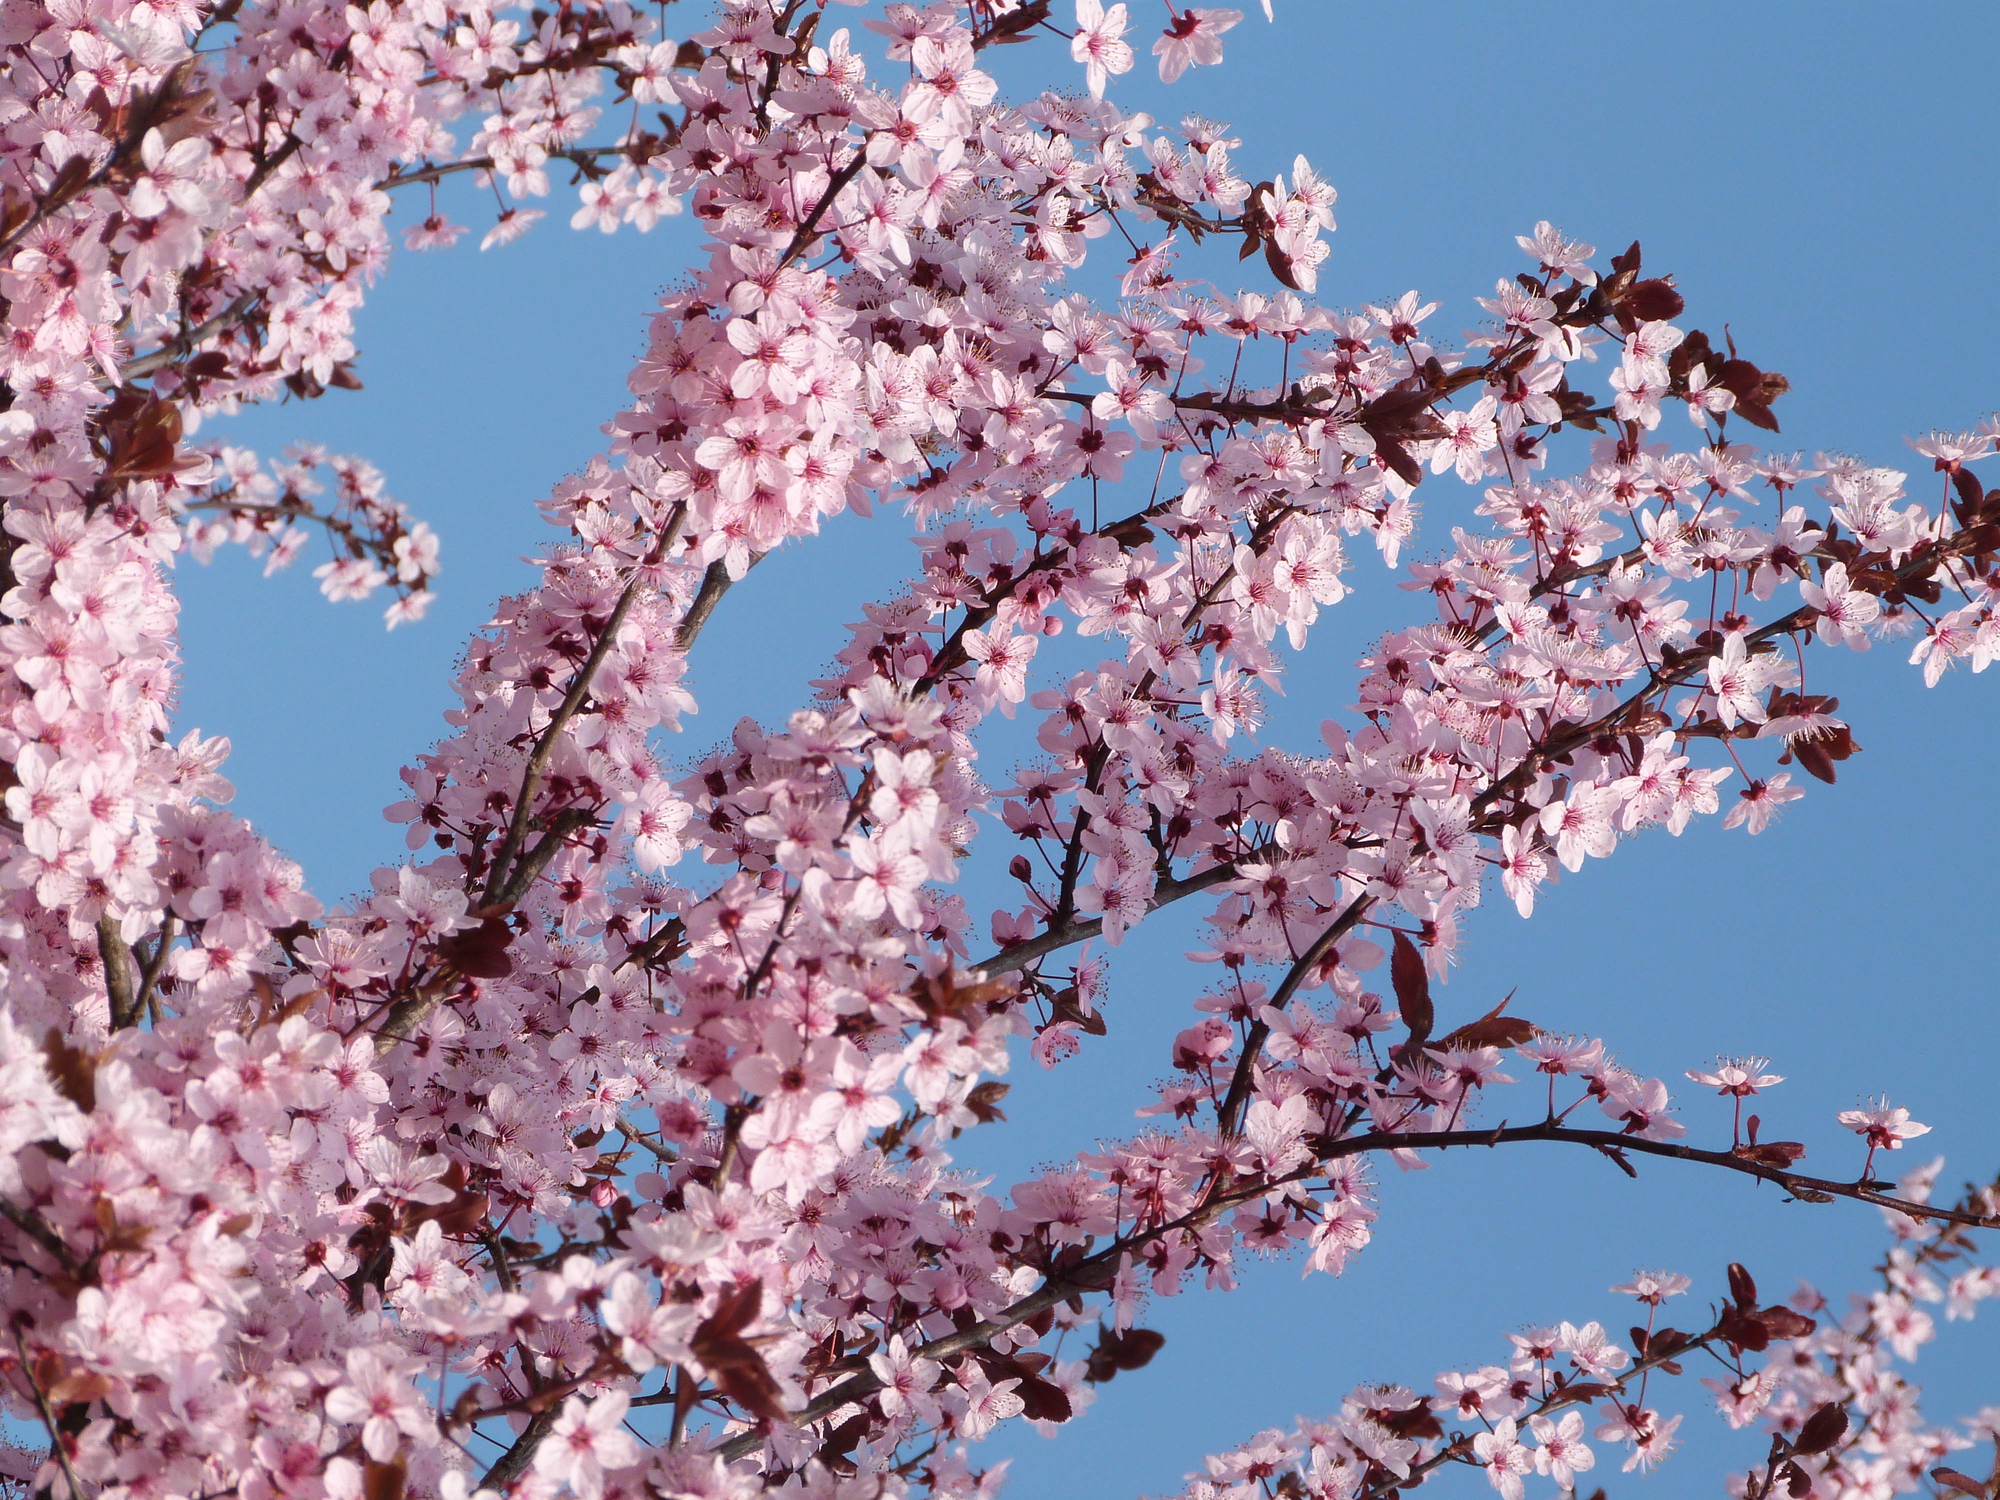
{"points": [[1819, 177]]}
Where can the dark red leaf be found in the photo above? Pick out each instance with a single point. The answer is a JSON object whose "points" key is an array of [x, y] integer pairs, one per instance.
{"points": [[1742, 1286], [835, 1448], [1655, 299], [738, 1369], [1798, 1483], [480, 952], [735, 1312], [1965, 1484], [382, 1481], [1413, 990], [1782, 1323], [1130, 1350], [1754, 390], [1281, 265], [1397, 457], [1417, 1421], [1491, 1030], [1586, 1390], [71, 1070], [1823, 1429], [1043, 1401], [750, 1385], [1818, 764], [1667, 1341], [984, 1101], [1744, 1332]]}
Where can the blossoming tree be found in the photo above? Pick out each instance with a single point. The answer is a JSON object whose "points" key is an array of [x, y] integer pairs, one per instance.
{"points": [[603, 1147]]}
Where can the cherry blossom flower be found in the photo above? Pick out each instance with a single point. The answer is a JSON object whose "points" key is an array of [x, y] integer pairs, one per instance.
{"points": [[1193, 38], [1099, 43], [1504, 1458], [586, 1441]]}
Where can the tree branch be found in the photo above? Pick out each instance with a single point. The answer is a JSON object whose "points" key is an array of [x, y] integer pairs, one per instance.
{"points": [[1611, 1143], [1020, 955], [1094, 1272]]}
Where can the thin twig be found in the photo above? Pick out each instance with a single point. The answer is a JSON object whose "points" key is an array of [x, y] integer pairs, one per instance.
{"points": [[184, 343], [499, 877], [56, 1449], [1094, 1272], [580, 155], [806, 232]]}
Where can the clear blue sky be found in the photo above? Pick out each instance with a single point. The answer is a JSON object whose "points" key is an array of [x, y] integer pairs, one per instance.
{"points": [[1821, 178]]}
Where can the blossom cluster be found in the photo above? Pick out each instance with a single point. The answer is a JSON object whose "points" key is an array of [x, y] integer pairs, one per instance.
{"points": [[634, 1084]]}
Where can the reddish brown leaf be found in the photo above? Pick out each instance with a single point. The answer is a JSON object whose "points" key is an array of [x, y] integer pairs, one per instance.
{"points": [[1491, 1030], [1043, 1401], [1281, 265], [1742, 1286], [71, 1070], [1742, 1330], [1754, 390], [1782, 1323], [735, 1312], [984, 1101], [1132, 1349], [146, 443], [1417, 1421], [1397, 457], [837, 1445], [1413, 990], [1965, 1484], [480, 952], [79, 1385], [1655, 300], [750, 1385], [1823, 1429], [1586, 1390], [738, 1370], [382, 1481]]}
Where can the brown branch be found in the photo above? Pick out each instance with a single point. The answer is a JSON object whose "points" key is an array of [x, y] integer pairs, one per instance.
{"points": [[1611, 1143], [1094, 1272], [157, 964], [531, 864], [405, 1016], [56, 1449], [714, 584], [120, 976], [1020, 955], [1238, 1099], [807, 230], [582, 156], [672, 934], [512, 1464], [499, 876], [185, 343]]}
